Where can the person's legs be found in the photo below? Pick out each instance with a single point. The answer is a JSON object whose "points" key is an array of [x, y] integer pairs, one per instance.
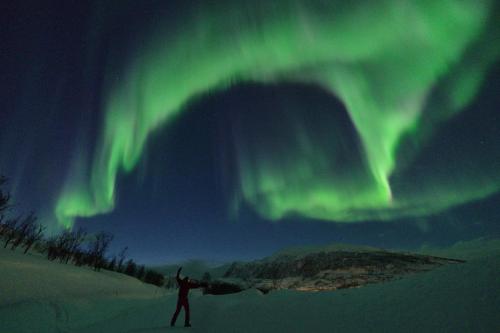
{"points": [[187, 321], [176, 313]]}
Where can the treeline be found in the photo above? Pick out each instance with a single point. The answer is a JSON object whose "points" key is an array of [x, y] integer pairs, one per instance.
{"points": [[70, 246]]}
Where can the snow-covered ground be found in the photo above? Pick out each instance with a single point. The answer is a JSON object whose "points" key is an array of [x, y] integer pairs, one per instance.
{"points": [[41, 296]]}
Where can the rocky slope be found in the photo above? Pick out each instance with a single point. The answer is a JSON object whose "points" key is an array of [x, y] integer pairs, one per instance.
{"points": [[324, 270]]}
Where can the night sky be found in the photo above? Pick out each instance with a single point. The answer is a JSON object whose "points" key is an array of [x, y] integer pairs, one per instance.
{"points": [[231, 129]]}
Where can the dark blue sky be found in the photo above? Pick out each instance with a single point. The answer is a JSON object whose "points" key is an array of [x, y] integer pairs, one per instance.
{"points": [[174, 205]]}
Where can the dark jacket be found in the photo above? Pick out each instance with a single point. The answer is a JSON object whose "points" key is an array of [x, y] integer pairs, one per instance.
{"points": [[184, 286]]}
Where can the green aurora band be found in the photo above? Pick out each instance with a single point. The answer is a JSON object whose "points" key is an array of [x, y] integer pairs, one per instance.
{"points": [[382, 59]]}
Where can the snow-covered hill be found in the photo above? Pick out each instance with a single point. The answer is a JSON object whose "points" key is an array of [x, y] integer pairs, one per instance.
{"points": [[40, 296]]}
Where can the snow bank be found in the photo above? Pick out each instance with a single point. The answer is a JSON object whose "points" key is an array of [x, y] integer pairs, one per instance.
{"points": [[37, 295]]}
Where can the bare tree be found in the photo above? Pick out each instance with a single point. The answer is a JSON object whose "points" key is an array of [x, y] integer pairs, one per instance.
{"points": [[155, 278], [80, 258], [35, 234], [130, 268], [10, 230], [4, 197], [121, 259], [75, 240], [4, 205], [170, 282], [51, 246], [59, 247], [98, 248], [140, 272], [112, 264], [3, 228], [24, 229]]}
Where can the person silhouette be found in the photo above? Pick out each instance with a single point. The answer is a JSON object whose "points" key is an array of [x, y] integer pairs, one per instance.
{"points": [[182, 301]]}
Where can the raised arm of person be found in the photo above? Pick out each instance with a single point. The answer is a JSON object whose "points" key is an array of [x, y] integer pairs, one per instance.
{"points": [[178, 277]]}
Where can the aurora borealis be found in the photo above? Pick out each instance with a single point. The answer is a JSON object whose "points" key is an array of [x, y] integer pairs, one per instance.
{"points": [[339, 107], [381, 60]]}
